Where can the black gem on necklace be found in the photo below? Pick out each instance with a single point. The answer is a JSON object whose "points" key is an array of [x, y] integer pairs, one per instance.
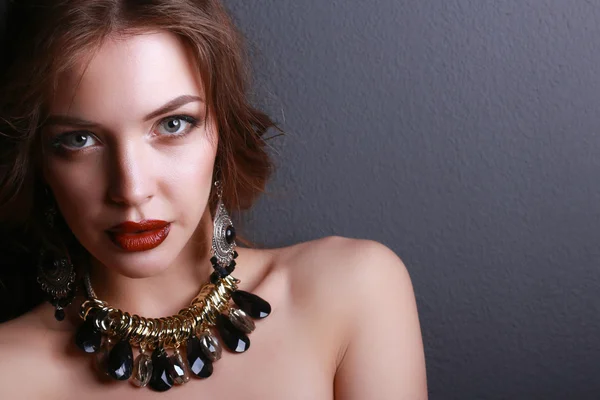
{"points": [[88, 338], [199, 364], [161, 380], [253, 305], [120, 361], [234, 339]]}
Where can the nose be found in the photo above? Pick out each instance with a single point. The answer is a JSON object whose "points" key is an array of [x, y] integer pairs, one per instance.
{"points": [[131, 180]]}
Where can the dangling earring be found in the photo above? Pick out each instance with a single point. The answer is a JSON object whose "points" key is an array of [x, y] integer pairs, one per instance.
{"points": [[55, 274], [223, 242]]}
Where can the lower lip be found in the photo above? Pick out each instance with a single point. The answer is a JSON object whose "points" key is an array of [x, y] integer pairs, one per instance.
{"points": [[140, 241]]}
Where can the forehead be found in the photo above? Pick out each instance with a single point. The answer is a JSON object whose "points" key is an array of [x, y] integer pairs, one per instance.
{"points": [[128, 75]]}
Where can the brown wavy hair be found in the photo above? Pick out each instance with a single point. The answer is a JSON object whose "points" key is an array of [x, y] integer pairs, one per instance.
{"points": [[47, 37]]}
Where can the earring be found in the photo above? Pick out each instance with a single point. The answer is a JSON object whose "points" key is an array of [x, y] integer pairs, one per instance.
{"points": [[56, 275], [50, 214], [223, 241]]}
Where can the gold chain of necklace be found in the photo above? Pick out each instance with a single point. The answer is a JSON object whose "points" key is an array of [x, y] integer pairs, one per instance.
{"points": [[171, 331]]}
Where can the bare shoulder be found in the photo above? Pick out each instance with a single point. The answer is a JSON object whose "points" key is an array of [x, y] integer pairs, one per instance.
{"points": [[358, 295], [338, 264], [30, 351], [16, 354], [334, 277], [17, 332]]}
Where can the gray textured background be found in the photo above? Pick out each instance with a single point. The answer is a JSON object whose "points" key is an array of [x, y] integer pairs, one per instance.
{"points": [[463, 135]]}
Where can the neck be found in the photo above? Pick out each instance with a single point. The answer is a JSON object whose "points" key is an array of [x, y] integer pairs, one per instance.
{"points": [[163, 294]]}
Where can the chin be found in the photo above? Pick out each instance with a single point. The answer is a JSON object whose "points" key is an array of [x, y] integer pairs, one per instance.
{"points": [[137, 269]]}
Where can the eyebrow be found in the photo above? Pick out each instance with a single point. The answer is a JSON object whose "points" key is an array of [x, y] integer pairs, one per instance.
{"points": [[168, 107], [173, 105]]}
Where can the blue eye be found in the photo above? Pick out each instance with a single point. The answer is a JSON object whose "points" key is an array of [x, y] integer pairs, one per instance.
{"points": [[75, 140], [176, 126]]}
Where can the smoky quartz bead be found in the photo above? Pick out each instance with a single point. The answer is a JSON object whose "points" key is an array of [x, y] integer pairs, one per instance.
{"points": [[241, 320], [101, 357], [177, 369], [210, 346], [234, 339], [142, 370]]}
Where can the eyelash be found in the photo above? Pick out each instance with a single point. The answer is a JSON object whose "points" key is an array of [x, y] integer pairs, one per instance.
{"points": [[189, 119], [58, 141]]}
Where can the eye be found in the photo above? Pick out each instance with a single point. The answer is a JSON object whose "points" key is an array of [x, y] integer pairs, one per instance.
{"points": [[176, 125], [75, 140]]}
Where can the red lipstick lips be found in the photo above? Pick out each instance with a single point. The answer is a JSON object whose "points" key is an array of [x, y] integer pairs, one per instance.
{"points": [[139, 236]]}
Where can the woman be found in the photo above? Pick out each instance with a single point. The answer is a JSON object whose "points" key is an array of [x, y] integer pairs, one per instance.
{"points": [[126, 139]]}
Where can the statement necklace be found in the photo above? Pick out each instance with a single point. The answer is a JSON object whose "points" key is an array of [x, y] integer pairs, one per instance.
{"points": [[172, 349], [189, 336]]}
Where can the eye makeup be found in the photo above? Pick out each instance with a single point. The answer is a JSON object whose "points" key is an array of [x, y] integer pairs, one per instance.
{"points": [[182, 123], [170, 127]]}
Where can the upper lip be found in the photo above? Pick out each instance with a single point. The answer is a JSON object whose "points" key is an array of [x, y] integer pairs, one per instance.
{"points": [[136, 227]]}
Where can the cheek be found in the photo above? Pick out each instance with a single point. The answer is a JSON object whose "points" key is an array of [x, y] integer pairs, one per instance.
{"points": [[76, 187], [189, 178]]}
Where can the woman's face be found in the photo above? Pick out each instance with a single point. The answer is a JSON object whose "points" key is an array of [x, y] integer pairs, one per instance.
{"points": [[128, 140]]}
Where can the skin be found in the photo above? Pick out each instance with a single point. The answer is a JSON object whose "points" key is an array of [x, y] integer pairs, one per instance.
{"points": [[344, 323]]}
